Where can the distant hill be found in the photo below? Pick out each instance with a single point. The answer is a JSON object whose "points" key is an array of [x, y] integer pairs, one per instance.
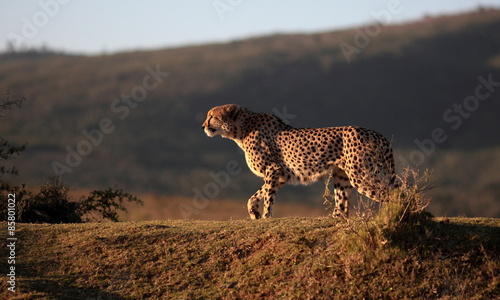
{"points": [[432, 87]]}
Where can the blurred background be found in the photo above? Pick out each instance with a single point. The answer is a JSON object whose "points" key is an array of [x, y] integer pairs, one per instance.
{"points": [[116, 93]]}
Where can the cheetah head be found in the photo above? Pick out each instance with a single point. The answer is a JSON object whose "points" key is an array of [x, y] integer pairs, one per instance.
{"points": [[222, 120]]}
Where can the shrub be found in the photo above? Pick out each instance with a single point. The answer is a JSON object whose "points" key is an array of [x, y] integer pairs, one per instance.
{"points": [[52, 204], [103, 204]]}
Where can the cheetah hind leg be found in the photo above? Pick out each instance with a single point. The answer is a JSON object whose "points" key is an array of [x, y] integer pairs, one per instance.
{"points": [[377, 191], [342, 193]]}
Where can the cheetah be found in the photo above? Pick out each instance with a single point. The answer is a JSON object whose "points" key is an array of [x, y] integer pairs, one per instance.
{"points": [[280, 154]]}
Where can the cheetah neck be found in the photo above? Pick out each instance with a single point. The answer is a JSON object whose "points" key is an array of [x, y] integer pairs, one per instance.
{"points": [[241, 129], [249, 122]]}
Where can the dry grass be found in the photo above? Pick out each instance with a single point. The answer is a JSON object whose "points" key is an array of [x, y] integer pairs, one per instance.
{"points": [[399, 252], [290, 258]]}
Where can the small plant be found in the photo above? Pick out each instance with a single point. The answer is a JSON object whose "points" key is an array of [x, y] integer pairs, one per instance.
{"points": [[406, 204], [399, 216], [373, 236], [328, 196]]}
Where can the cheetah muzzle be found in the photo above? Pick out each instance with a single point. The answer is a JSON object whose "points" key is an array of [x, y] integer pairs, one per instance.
{"points": [[280, 154]]}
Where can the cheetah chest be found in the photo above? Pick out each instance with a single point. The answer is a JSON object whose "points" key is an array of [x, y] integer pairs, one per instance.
{"points": [[258, 155]]}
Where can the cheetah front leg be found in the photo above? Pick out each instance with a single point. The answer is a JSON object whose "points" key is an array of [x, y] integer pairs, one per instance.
{"points": [[267, 193], [253, 204]]}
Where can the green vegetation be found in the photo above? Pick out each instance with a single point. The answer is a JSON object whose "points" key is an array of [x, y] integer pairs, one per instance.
{"points": [[53, 204], [291, 258], [400, 84]]}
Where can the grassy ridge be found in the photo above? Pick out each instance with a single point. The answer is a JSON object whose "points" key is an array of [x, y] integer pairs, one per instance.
{"points": [[288, 258]]}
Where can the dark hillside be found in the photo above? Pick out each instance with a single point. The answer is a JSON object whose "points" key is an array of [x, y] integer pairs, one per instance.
{"points": [[408, 81]]}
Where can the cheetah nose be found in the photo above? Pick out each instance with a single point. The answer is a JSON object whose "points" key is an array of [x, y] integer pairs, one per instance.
{"points": [[209, 128]]}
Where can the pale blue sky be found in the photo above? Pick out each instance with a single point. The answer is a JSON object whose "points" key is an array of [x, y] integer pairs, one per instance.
{"points": [[93, 27]]}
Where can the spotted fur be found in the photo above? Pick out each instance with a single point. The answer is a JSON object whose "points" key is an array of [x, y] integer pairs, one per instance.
{"points": [[279, 153]]}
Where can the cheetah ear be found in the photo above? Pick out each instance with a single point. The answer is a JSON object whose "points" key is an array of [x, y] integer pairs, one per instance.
{"points": [[233, 111]]}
